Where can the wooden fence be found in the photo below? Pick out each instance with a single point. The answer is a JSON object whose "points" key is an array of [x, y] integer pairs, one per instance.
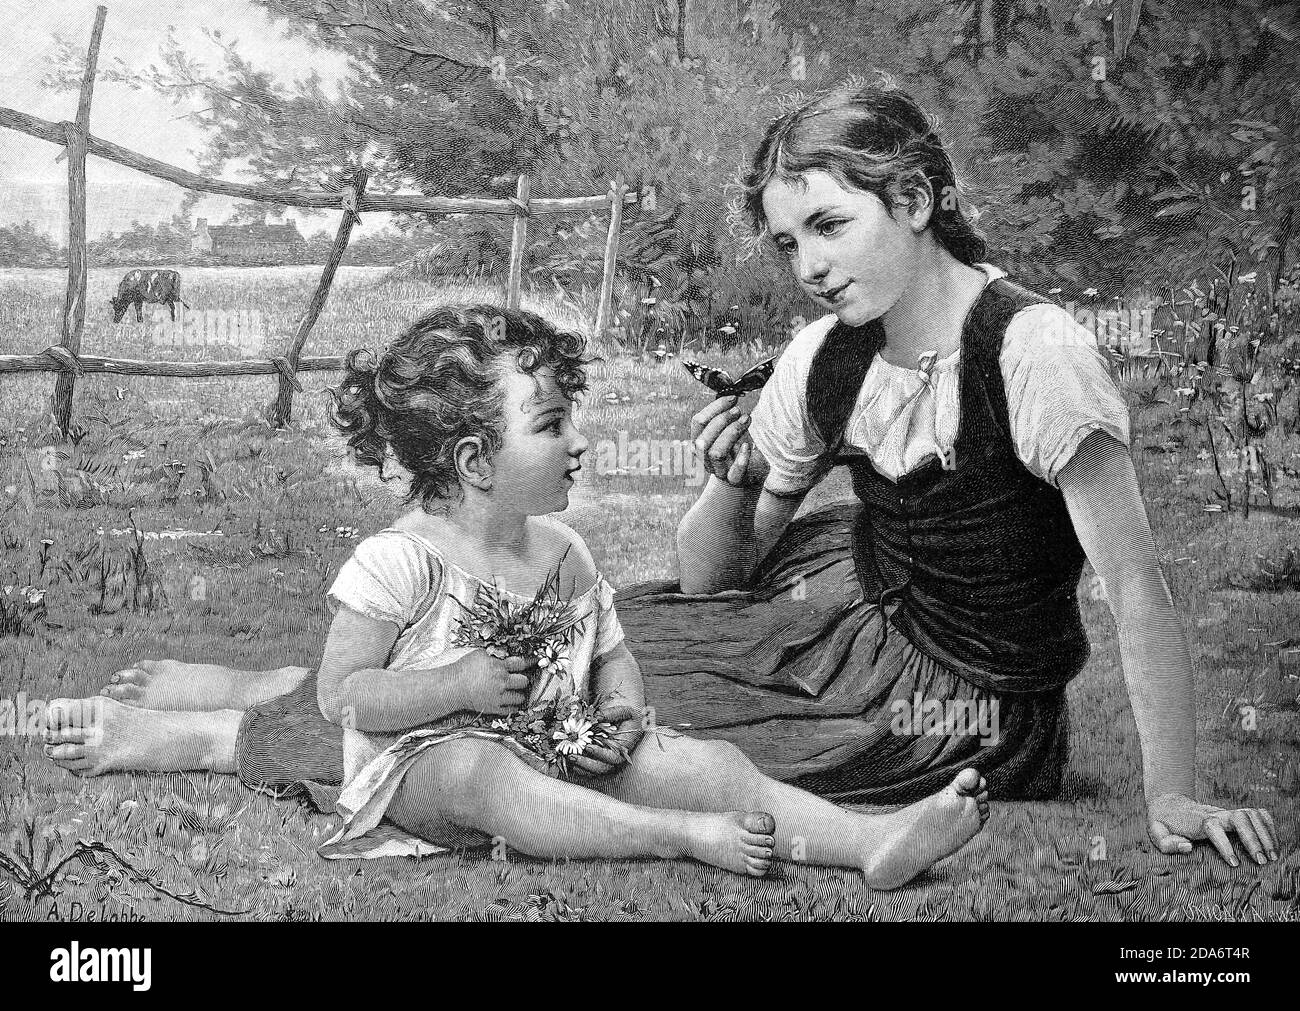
{"points": [[66, 358]]}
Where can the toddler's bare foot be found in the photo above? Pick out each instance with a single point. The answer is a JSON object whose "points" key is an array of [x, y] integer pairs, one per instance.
{"points": [[96, 735], [928, 831], [739, 841], [197, 687], [171, 684]]}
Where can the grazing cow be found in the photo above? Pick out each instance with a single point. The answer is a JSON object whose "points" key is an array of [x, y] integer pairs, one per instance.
{"points": [[140, 286]]}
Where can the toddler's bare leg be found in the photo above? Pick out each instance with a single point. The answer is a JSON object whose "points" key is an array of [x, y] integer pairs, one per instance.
{"points": [[483, 786], [711, 775], [197, 687], [97, 735]]}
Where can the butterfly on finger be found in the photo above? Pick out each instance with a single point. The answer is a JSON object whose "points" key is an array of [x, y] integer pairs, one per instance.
{"points": [[721, 383]]}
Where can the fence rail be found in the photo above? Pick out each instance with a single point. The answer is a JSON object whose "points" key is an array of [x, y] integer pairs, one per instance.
{"points": [[66, 358], [55, 133], [86, 364]]}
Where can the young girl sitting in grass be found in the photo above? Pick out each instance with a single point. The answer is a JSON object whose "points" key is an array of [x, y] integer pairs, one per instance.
{"points": [[476, 403]]}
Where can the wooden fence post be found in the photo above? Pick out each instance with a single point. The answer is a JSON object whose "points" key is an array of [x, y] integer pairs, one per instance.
{"points": [[74, 305], [278, 413], [617, 190], [518, 243]]}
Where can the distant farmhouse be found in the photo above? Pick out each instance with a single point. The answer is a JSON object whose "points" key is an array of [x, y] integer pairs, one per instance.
{"points": [[260, 243]]}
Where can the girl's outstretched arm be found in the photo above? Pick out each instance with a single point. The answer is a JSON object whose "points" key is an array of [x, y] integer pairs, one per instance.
{"points": [[1105, 504], [736, 521], [354, 688]]}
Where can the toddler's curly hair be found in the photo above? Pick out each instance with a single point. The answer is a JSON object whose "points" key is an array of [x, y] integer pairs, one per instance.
{"points": [[440, 382]]}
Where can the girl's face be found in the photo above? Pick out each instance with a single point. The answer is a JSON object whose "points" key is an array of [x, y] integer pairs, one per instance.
{"points": [[536, 467], [843, 246]]}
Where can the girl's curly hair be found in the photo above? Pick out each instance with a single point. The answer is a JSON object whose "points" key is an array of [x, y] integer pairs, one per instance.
{"points": [[440, 382], [869, 136]]}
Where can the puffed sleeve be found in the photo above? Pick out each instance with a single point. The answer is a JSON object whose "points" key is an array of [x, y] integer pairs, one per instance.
{"points": [[609, 633], [388, 578], [1059, 389], [780, 426]]}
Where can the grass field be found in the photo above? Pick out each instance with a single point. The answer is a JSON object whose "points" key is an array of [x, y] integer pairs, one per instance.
{"points": [[288, 508]]}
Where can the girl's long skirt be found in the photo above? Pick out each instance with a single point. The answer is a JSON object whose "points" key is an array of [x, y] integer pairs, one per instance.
{"points": [[792, 671]]}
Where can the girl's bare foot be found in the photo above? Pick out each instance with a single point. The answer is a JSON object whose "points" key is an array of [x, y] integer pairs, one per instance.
{"points": [[929, 830], [197, 687], [739, 841], [97, 735]]}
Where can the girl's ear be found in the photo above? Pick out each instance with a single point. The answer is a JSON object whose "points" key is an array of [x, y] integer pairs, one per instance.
{"points": [[917, 196], [472, 464]]}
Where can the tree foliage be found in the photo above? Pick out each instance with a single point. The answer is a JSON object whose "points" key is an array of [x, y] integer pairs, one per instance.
{"points": [[1106, 144], [164, 242], [1095, 169], [24, 246]]}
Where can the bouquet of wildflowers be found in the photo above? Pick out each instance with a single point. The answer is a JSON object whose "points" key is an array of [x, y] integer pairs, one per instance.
{"points": [[553, 727], [542, 629], [561, 728]]}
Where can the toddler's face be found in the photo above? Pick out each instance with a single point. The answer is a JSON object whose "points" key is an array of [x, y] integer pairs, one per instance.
{"points": [[536, 467]]}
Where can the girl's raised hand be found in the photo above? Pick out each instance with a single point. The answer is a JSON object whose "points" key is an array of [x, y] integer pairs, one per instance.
{"points": [[494, 686], [721, 434]]}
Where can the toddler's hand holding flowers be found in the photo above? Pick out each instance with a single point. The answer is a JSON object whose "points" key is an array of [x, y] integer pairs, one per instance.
{"points": [[496, 685], [542, 713], [567, 733], [620, 731], [540, 630]]}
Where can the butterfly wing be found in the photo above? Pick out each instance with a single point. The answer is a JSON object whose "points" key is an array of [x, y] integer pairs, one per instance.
{"points": [[715, 379], [754, 378]]}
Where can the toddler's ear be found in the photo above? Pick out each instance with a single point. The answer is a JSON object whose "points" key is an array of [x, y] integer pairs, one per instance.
{"points": [[472, 464]]}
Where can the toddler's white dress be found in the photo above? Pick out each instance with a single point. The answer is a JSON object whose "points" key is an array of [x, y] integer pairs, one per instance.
{"points": [[399, 576]]}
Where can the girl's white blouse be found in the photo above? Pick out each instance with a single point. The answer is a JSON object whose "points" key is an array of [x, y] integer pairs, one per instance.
{"points": [[1059, 390]]}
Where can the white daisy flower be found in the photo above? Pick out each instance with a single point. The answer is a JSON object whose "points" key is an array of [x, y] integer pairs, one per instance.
{"points": [[552, 656], [574, 737]]}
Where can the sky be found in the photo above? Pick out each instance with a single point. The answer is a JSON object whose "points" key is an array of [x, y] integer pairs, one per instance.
{"points": [[33, 186]]}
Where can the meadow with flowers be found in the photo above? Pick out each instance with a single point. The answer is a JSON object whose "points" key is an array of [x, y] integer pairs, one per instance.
{"points": [[175, 524]]}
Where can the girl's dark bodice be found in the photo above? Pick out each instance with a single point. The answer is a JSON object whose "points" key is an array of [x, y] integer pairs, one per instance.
{"points": [[981, 560]]}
